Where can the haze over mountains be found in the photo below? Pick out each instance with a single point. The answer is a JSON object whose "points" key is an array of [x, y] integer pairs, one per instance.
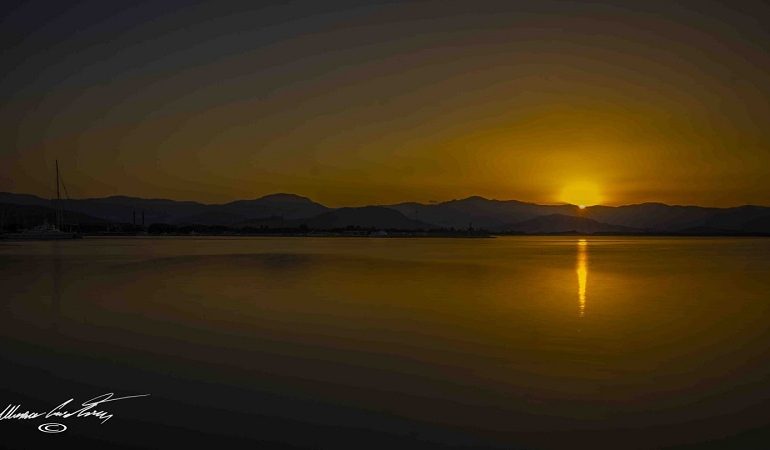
{"points": [[293, 211]]}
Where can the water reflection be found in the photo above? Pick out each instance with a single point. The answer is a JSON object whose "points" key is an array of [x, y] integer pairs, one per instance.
{"points": [[582, 274], [56, 258]]}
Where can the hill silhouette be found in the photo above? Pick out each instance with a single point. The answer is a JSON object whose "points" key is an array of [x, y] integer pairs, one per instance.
{"points": [[292, 211], [364, 217], [480, 212], [560, 223], [20, 216], [120, 209]]}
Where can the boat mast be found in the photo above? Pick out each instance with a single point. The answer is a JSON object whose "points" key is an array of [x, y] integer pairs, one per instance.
{"points": [[58, 199]]}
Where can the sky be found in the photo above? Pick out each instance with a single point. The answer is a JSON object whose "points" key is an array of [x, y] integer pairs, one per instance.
{"points": [[358, 102]]}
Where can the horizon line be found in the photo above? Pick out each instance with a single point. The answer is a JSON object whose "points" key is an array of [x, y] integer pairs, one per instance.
{"points": [[428, 203]]}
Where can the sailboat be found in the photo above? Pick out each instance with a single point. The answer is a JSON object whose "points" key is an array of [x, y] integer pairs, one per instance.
{"points": [[46, 231]]}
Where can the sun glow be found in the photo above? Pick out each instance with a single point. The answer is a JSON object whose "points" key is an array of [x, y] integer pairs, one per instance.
{"points": [[581, 194]]}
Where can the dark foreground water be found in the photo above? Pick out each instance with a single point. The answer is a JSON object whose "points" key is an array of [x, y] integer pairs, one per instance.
{"points": [[528, 342]]}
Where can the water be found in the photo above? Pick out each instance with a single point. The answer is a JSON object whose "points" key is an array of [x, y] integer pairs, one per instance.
{"points": [[514, 342]]}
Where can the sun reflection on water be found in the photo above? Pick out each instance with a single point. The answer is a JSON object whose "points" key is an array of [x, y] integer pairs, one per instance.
{"points": [[582, 274]]}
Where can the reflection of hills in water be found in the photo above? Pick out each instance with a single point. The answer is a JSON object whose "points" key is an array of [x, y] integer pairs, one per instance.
{"points": [[287, 211]]}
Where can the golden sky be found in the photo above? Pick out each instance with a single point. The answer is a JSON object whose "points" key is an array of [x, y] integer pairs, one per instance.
{"points": [[354, 103]]}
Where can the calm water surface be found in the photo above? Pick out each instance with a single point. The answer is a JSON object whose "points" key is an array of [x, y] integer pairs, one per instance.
{"points": [[514, 342]]}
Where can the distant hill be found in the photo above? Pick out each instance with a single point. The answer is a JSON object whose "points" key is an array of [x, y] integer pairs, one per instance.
{"points": [[651, 216], [740, 218], [560, 223], [757, 225], [666, 218], [291, 211], [23, 199], [121, 209], [211, 217], [365, 217], [499, 215], [479, 212], [287, 206], [377, 217], [15, 216]]}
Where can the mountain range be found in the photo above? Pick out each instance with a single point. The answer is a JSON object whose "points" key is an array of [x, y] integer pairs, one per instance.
{"points": [[499, 216]]}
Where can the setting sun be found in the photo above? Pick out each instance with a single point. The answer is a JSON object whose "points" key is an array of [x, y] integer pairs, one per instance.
{"points": [[582, 194]]}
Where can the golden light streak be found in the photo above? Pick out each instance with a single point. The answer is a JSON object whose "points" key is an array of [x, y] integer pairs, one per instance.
{"points": [[582, 274]]}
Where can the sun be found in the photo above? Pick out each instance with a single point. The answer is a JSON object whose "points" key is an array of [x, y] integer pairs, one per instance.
{"points": [[583, 194]]}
